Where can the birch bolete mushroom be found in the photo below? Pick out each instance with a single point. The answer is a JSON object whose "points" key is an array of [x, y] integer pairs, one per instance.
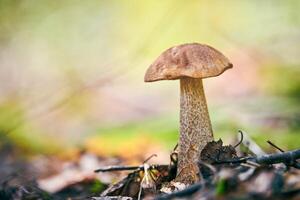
{"points": [[190, 63]]}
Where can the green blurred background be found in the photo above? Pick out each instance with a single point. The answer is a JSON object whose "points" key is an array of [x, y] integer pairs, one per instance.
{"points": [[71, 72]]}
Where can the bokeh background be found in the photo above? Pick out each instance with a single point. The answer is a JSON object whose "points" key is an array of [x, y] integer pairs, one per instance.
{"points": [[71, 72]]}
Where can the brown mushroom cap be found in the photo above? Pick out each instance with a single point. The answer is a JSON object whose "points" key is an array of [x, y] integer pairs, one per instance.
{"points": [[187, 60]]}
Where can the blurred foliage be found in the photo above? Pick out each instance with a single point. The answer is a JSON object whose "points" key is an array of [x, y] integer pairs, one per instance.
{"points": [[134, 139], [282, 80], [97, 187], [71, 71], [222, 187]]}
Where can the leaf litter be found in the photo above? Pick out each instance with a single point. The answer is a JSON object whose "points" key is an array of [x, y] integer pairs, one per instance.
{"points": [[242, 171]]}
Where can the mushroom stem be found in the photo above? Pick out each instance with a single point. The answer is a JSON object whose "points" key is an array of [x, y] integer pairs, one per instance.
{"points": [[195, 129]]}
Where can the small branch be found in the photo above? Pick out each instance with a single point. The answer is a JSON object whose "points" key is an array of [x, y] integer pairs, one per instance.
{"points": [[296, 164], [275, 146], [125, 168], [241, 140], [119, 168], [175, 148], [288, 158], [153, 155]]}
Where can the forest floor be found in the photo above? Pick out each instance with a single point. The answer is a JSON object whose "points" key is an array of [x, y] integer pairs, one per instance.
{"points": [[241, 171]]}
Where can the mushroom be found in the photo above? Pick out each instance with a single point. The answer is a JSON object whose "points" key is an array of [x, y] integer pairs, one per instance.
{"points": [[190, 63]]}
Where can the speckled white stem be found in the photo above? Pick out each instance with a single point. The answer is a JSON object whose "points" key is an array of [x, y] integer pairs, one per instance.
{"points": [[195, 129]]}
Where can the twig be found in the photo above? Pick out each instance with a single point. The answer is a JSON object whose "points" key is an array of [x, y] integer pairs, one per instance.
{"points": [[153, 155], [118, 168], [175, 148], [125, 168], [241, 140], [253, 164], [275, 146], [296, 164], [288, 157], [246, 164]]}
